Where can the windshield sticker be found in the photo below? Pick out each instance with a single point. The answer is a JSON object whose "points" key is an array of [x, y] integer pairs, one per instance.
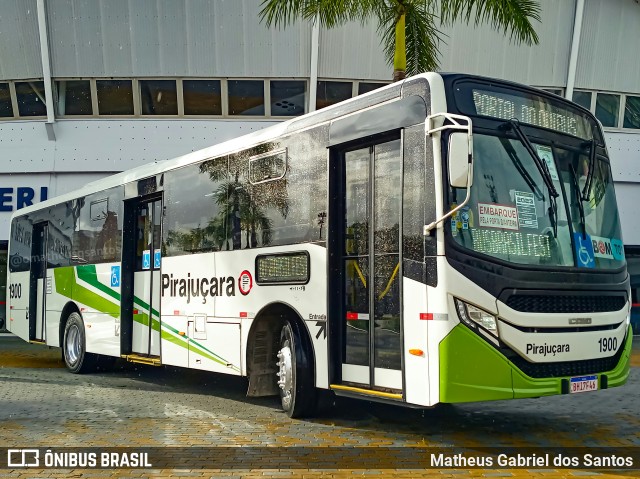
{"points": [[546, 155], [584, 250], [607, 248], [526, 205], [491, 215], [617, 248], [461, 219]]}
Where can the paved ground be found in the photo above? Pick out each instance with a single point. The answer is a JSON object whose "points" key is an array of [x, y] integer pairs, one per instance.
{"points": [[43, 405]]}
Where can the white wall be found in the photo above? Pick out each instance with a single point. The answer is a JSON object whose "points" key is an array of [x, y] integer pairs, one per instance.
{"points": [[86, 150]]}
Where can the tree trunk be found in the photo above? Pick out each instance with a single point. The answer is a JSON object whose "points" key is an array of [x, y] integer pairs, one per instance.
{"points": [[400, 54]]}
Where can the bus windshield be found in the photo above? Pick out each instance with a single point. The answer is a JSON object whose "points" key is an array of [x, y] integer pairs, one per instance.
{"points": [[513, 216]]}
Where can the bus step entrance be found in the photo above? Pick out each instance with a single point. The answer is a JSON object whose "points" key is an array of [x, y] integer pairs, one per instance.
{"points": [[148, 360], [342, 390], [37, 341]]}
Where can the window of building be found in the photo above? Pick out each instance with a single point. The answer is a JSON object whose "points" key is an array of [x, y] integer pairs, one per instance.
{"points": [[202, 97], [115, 97], [632, 112], [582, 98], [30, 96], [287, 97], [330, 92], [607, 108], [6, 110], [73, 97], [246, 97], [366, 87], [158, 97]]}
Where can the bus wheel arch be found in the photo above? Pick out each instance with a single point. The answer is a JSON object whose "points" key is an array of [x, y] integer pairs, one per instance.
{"points": [[274, 325], [74, 346], [68, 309]]}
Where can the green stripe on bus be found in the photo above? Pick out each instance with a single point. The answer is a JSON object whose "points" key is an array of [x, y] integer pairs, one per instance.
{"points": [[67, 286], [88, 274]]}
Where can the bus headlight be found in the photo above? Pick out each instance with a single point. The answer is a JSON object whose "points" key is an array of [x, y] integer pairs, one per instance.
{"points": [[473, 316]]}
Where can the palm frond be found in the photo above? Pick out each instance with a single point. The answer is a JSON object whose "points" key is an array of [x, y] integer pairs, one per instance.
{"points": [[505, 15], [422, 36], [330, 12]]}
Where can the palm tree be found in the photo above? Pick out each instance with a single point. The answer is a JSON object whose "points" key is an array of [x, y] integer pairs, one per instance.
{"points": [[410, 29]]}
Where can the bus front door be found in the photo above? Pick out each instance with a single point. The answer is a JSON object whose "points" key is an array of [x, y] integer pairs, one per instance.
{"points": [[145, 338], [370, 268], [38, 284]]}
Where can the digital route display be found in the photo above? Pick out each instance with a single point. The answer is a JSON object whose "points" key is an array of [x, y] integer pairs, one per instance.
{"points": [[507, 104]]}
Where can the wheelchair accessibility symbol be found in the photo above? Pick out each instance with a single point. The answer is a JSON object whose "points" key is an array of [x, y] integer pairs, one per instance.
{"points": [[115, 276], [584, 251], [146, 259]]}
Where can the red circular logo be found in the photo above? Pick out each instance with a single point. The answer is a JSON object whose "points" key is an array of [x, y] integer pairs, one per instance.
{"points": [[245, 282], [601, 246]]}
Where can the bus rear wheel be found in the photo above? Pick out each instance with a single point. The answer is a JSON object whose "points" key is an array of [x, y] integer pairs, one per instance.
{"points": [[295, 373], [75, 354]]}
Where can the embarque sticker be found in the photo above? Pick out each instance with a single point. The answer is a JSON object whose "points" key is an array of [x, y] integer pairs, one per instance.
{"points": [[491, 215], [546, 154]]}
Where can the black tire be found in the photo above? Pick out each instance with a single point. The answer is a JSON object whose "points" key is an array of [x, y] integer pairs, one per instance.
{"points": [[74, 349], [295, 372]]}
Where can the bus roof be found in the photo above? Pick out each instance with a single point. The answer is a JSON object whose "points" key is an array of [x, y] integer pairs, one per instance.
{"points": [[327, 114], [381, 95]]}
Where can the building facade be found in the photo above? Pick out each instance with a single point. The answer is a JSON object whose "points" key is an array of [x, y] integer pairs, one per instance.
{"points": [[93, 87]]}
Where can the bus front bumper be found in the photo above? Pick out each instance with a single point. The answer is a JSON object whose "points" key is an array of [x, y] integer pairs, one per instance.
{"points": [[472, 370]]}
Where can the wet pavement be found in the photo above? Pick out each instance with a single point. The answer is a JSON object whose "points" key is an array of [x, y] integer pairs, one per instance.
{"points": [[42, 405]]}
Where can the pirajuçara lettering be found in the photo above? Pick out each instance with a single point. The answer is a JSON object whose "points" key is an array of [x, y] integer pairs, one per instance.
{"points": [[197, 287], [545, 349]]}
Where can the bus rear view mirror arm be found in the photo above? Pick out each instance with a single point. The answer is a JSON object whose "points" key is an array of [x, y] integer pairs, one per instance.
{"points": [[459, 156]]}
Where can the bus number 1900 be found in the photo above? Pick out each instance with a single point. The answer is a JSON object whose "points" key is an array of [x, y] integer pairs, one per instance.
{"points": [[608, 344], [15, 290]]}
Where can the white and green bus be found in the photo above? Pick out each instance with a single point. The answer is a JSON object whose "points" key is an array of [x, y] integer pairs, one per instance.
{"points": [[443, 239]]}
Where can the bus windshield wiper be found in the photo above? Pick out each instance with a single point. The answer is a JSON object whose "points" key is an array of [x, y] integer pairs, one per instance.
{"points": [[541, 165], [513, 156], [579, 199], [590, 172], [542, 168]]}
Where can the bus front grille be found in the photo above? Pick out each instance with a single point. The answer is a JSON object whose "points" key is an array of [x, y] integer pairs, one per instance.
{"points": [[594, 302], [567, 368]]}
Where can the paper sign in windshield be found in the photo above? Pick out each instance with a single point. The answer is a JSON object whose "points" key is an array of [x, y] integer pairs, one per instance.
{"points": [[491, 215], [526, 205], [546, 154]]}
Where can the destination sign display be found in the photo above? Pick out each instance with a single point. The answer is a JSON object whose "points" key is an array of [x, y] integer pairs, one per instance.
{"points": [[505, 103], [537, 111]]}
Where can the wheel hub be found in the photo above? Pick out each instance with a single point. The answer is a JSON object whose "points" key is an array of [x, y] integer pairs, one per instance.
{"points": [[72, 349], [285, 374]]}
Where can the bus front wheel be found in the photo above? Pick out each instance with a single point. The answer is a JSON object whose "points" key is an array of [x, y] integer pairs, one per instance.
{"points": [[295, 372], [76, 357]]}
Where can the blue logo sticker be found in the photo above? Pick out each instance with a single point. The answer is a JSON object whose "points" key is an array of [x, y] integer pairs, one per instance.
{"points": [[584, 251], [156, 259], [146, 259], [617, 249], [115, 276]]}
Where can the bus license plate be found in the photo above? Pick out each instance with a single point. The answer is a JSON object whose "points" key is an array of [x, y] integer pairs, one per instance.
{"points": [[583, 384]]}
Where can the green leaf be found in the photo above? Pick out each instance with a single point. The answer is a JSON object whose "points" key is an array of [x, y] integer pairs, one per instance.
{"points": [[505, 15]]}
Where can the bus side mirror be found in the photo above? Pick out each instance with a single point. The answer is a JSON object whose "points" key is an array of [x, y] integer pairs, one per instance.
{"points": [[460, 160]]}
